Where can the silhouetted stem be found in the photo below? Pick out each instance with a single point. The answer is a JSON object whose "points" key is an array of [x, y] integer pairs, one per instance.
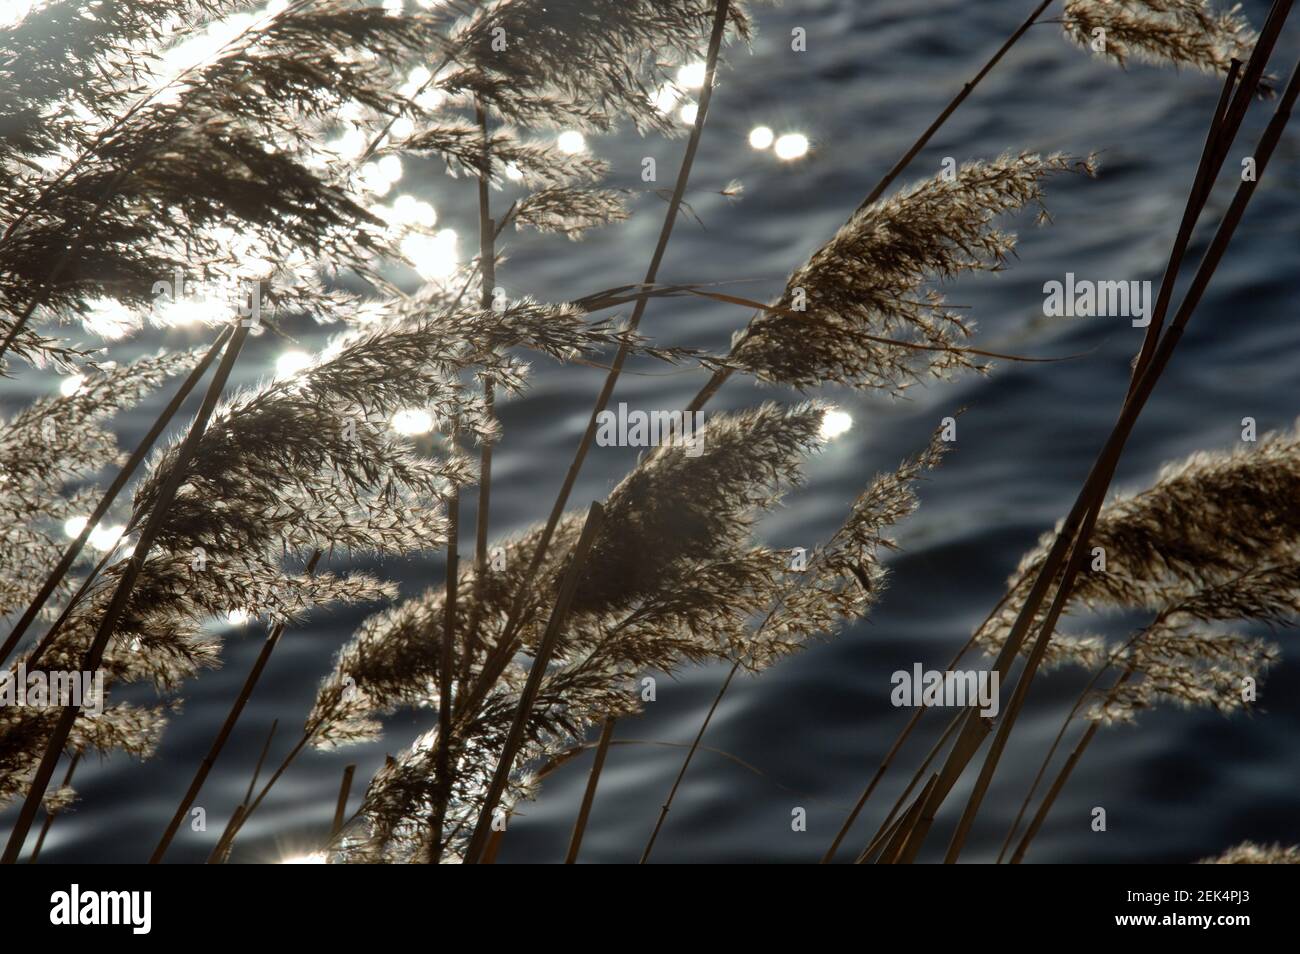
{"points": [[686, 763], [1099, 478], [221, 851], [442, 766], [261, 760], [900, 741], [588, 796], [341, 806], [50, 815], [528, 697]]}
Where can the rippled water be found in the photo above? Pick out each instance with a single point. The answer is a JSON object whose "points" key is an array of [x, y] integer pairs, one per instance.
{"points": [[1177, 787]]}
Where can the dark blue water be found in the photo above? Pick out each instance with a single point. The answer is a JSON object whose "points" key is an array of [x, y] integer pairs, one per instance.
{"points": [[1178, 786]]}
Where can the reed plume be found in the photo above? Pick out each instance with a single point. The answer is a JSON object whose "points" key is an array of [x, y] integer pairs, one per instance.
{"points": [[1249, 853], [1164, 32], [674, 579], [1206, 544], [874, 280]]}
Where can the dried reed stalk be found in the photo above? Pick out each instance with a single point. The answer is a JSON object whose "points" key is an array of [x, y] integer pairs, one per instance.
{"points": [[1144, 382], [443, 768], [261, 760], [52, 813], [686, 763], [221, 850], [589, 795], [341, 806], [527, 698]]}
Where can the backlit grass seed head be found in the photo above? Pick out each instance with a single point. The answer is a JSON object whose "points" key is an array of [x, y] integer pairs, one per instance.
{"points": [[875, 280], [1249, 853], [1213, 540], [24, 730], [1209, 519], [675, 507], [1178, 32], [674, 578], [1174, 662], [844, 577], [584, 65]]}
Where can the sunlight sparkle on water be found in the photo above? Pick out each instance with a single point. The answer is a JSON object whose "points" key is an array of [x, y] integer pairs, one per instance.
{"points": [[109, 319], [13, 11], [791, 146], [761, 137], [105, 538], [391, 168], [203, 46], [571, 141], [401, 128], [412, 421], [434, 256], [834, 423], [691, 76], [408, 210], [190, 311], [291, 362], [667, 98]]}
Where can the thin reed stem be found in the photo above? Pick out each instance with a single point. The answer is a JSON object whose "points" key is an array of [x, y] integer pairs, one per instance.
{"points": [[893, 852], [261, 760], [1060, 735], [221, 851], [48, 639], [493, 846], [589, 795], [528, 697], [1089, 503], [900, 741], [887, 825], [1062, 777], [270, 782], [442, 769], [686, 763], [53, 814], [948, 110], [487, 231], [341, 806], [886, 834], [1099, 478]]}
